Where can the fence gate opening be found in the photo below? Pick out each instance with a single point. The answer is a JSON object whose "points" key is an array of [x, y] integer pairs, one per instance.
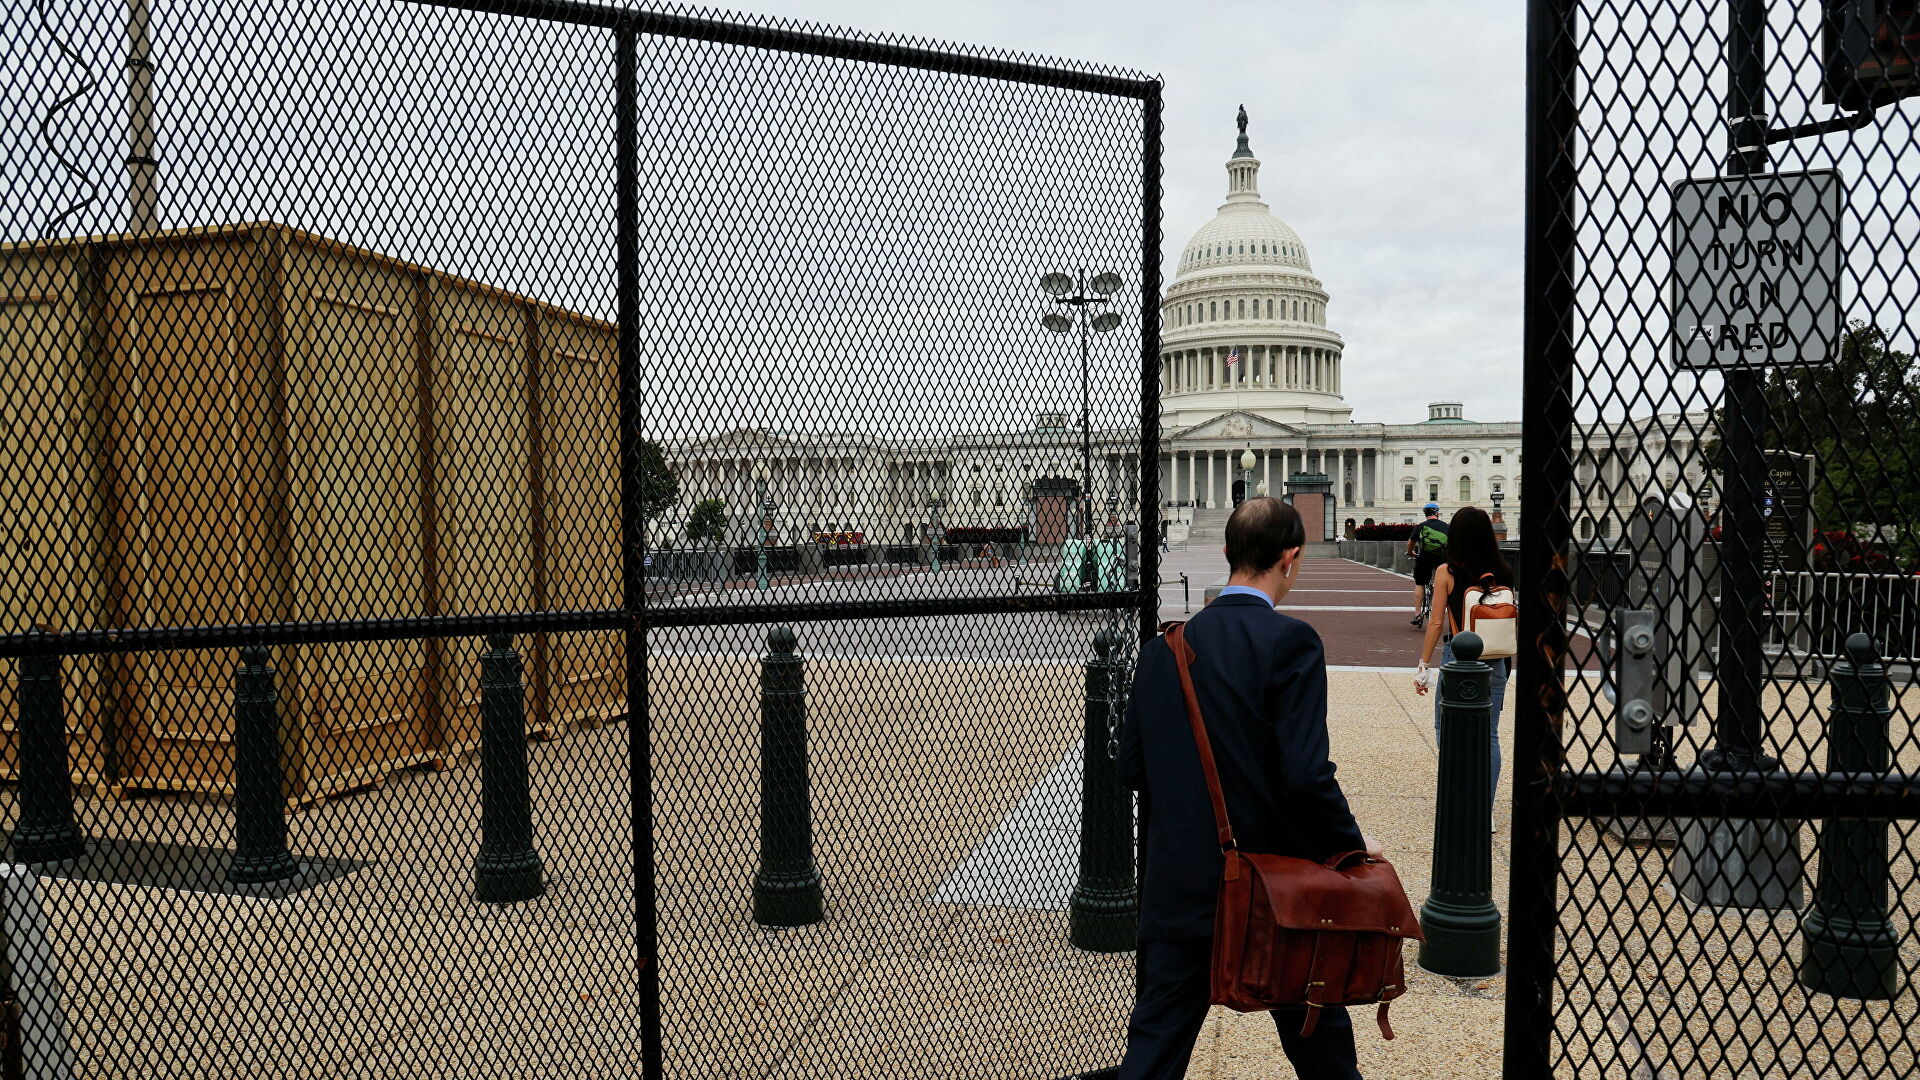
{"points": [[1715, 841], [521, 548]]}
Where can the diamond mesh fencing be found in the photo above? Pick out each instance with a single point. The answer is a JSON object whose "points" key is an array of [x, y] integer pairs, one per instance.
{"points": [[570, 538], [1716, 840]]}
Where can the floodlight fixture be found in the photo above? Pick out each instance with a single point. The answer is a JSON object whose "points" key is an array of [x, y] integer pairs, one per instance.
{"points": [[1105, 321], [1106, 284], [1056, 322], [1056, 284]]}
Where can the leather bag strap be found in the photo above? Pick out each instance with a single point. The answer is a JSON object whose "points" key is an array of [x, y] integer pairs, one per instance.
{"points": [[1183, 657]]}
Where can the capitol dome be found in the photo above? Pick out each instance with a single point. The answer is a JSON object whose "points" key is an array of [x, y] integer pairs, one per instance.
{"points": [[1244, 233], [1243, 326]]}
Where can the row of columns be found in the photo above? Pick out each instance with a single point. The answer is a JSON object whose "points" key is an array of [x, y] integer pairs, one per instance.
{"points": [[1205, 478], [1290, 367], [851, 493]]}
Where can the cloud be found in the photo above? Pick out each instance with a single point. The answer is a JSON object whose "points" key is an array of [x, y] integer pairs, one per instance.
{"points": [[1390, 135]]}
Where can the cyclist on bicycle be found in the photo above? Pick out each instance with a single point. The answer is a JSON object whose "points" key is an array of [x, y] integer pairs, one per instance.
{"points": [[1428, 546]]}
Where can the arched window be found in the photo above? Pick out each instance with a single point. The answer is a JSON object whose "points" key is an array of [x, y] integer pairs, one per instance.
{"points": [[1466, 489], [1296, 311], [1243, 309], [1213, 311]]}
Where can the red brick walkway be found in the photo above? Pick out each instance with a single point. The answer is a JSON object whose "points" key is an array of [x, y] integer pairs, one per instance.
{"points": [[1360, 611]]}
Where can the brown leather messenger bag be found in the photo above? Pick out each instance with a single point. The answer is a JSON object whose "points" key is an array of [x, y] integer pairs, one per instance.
{"points": [[1293, 932]]}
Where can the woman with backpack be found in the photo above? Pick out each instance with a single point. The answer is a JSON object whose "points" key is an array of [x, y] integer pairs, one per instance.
{"points": [[1474, 583]]}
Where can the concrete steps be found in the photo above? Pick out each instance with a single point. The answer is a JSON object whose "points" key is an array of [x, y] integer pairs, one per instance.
{"points": [[1209, 527]]}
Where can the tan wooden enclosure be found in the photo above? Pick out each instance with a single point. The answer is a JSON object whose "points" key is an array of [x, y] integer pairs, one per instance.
{"points": [[251, 424]]}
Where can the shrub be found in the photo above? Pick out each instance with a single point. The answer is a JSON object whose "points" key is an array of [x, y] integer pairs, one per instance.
{"points": [[708, 522]]}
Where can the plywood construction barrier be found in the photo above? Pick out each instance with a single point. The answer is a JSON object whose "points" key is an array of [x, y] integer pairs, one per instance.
{"points": [[253, 423]]}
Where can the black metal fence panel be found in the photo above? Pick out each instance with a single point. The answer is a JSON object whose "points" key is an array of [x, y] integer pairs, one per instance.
{"points": [[1716, 796], [555, 536]]}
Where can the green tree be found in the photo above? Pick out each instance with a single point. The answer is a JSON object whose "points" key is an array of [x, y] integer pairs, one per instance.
{"points": [[659, 483], [708, 522], [1859, 417]]}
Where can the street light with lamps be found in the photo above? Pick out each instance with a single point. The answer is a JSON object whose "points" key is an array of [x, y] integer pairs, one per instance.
{"points": [[1247, 462], [1499, 523], [760, 477], [1085, 295]]}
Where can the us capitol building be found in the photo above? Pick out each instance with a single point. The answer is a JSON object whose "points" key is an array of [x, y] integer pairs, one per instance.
{"points": [[1250, 362]]}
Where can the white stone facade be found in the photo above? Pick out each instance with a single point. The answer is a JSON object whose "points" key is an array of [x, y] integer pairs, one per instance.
{"points": [[1244, 289]]}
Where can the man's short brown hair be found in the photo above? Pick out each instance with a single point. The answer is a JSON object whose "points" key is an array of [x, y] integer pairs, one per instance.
{"points": [[1260, 531]]}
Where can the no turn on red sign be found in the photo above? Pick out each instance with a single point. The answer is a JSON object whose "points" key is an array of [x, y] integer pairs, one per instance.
{"points": [[1756, 270]]}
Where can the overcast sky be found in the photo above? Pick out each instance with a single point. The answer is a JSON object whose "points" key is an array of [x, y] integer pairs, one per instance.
{"points": [[1390, 135]]}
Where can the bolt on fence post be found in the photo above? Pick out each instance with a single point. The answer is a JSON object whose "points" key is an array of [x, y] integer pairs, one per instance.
{"points": [[260, 853], [1462, 925], [46, 831], [786, 887], [1850, 949], [507, 869], [1103, 911]]}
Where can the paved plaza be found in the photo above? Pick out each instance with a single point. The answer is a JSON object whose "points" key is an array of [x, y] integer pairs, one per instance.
{"points": [[946, 793]]}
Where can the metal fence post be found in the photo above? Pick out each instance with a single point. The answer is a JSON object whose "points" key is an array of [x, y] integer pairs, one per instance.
{"points": [[1103, 911], [786, 887], [260, 853], [1461, 923], [46, 831], [1850, 948], [507, 869]]}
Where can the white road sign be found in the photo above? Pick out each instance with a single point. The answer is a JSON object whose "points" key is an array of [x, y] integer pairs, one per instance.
{"points": [[1756, 270]]}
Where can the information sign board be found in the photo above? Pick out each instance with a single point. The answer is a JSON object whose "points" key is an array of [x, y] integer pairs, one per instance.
{"points": [[1756, 270], [1785, 509]]}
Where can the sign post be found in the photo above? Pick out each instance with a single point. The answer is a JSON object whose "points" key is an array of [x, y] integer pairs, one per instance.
{"points": [[1756, 270]]}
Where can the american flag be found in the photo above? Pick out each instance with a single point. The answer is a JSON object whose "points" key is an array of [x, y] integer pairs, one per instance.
{"points": [[1233, 355]]}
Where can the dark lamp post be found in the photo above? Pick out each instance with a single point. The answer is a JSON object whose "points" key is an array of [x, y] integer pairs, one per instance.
{"points": [[765, 510], [1085, 294]]}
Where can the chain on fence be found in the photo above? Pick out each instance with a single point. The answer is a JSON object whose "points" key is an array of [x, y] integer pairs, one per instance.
{"points": [[1715, 868], [548, 536]]}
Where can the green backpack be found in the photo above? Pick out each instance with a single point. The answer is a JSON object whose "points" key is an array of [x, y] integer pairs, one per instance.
{"points": [[1432, 541]]}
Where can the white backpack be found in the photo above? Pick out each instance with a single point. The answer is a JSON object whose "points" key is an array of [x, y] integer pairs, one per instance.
{"points": [[1493, 612]]}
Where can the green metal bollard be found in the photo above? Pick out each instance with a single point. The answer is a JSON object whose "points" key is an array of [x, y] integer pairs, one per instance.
{"points": [[786, 887], [1462, 925], [508, 869], [1104, 909], [1850, 948], [46, 831], [260, 855]]}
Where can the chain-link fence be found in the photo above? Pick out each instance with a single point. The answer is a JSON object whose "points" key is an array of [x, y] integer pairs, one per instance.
{"points": [[534, 539], [1715, 849]]}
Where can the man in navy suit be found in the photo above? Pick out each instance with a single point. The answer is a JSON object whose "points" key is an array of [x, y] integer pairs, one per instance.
{"points": [[1261, 679]]}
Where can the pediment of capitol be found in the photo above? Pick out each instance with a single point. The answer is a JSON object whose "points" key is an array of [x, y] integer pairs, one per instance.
{"points": [[1235, 425]]}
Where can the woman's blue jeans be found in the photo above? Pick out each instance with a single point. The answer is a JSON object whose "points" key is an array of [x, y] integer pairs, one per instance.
{"points": [[1499, 693]]}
